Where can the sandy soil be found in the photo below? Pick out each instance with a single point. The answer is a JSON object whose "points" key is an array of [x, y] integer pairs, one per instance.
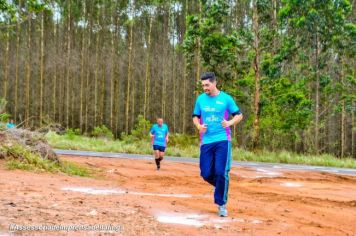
{"points": [[138, 200]]}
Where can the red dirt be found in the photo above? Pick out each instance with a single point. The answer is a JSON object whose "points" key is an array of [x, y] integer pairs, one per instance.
{"points": [[260, 202]]}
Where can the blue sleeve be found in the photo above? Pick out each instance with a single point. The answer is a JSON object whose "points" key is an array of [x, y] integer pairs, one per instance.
{"points": [[197, 111], [152, 130], [232, 107]]}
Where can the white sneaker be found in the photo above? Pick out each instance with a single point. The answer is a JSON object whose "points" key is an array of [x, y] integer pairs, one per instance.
{"points": [[222, 211]]}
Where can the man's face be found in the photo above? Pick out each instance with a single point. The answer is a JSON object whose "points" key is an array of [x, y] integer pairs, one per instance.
{"points": [[208, 86], [160, 121]]}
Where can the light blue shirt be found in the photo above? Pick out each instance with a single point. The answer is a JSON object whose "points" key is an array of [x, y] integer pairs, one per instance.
{"points": [[160, 133], [212, 110], [10, 125]]}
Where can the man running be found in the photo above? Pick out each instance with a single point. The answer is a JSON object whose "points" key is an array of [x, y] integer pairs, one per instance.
{"points": [[160, 135], [10, 124], [211, 117]]}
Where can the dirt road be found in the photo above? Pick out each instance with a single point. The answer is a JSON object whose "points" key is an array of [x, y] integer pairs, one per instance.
{"points": [[135, 199]]}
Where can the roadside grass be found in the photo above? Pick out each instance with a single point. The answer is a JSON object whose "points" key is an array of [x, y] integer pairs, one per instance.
{"points": [[190, 148], [294, 158]]}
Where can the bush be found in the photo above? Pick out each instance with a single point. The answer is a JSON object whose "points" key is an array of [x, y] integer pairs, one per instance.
{"points": [[141, 129], [183, 140], [4, 117], [19, 157], [71, 133], [126, 138], [102, 132], [3, 103]]}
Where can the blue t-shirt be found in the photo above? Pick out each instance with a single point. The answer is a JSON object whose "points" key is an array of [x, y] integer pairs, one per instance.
{"points": [[160, 133], [212, 110], [10, 125]]}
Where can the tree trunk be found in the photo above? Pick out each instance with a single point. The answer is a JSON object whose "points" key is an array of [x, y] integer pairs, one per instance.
{"points": [[54, 90], [102, 78], [275, 27], [129, 75], [343, 112], [96, 78], [117, 106], [256, 64], [68, 65], [82, 74], [174, 79], [87, 88], [6, 65], [28, 75], [353, 130], [133, 92], [74, 87], [198, 63], [112, 71], [165, 68], [317, 96], [17, 68], [41, 70], [147, 72], [185, 75], [343, 132], [102, 95]]}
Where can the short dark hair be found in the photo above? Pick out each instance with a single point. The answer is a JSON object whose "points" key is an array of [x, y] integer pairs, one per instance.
{"points": [[208, 75]]}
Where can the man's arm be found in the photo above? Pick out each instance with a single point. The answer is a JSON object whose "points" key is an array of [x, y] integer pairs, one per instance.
{"points": [[152, 132], [167, 137], [235, 120], [196, 122]]}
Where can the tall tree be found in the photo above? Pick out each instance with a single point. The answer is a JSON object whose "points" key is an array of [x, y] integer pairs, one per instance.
{"points": [[313, 24], [68, 65], [6, 65], [82, 73], [147, 69], [41, 70], [256, 67], [28, 74], [129, 70], [18, 32]]}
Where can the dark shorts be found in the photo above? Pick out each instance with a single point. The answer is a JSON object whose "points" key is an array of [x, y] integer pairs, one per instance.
{"points": [[159, 148]]}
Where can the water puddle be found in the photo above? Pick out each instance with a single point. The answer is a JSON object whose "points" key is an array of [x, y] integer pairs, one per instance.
{"points": [[196, 220], [97, 191], [94, 191], [193, 220], [268, 173], [291, 185], [256, 221]]}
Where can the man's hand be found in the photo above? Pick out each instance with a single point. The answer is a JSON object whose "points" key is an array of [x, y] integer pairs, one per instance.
{"points": [[225, 123], [167, 139], [202, 128]]}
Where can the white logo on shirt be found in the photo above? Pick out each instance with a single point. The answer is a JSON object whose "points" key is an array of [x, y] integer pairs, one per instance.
{"points": [[209, 109]]}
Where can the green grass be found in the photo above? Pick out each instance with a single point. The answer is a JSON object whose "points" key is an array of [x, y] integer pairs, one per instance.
{"points": [[131, 145], [22, 158], [75, 169], [178, 148], [293, 158]]}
